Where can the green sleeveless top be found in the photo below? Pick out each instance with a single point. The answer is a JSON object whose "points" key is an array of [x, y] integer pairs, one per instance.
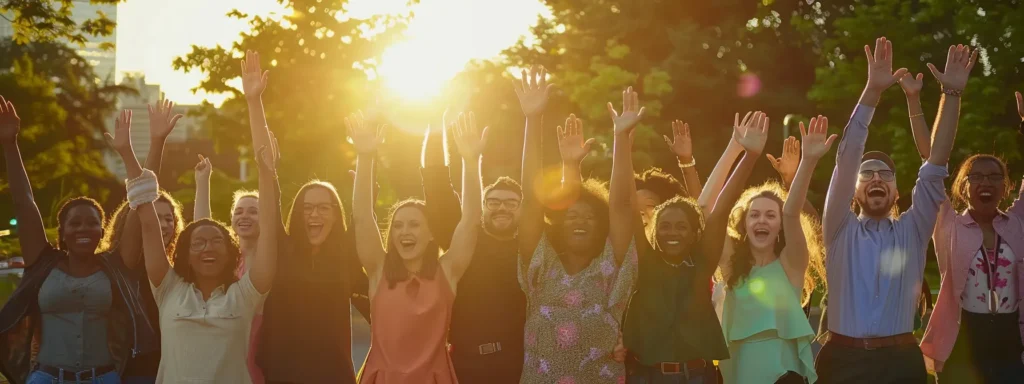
{"points": [[670, 317]]}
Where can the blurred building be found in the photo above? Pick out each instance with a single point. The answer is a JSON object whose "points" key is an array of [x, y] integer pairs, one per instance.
{"points": [[148, 94]]}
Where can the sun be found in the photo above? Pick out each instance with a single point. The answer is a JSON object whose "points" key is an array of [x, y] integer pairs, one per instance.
{"points": [[414, 71]]}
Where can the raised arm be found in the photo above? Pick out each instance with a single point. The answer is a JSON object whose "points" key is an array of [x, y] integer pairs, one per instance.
{"points": [[161, 122], [31, 234], [443, 210], [202, 205], [842, 187], [622, 205], [471, 142], [815, 145], [751, 136], [682, 146], [959, 63], [141, 188], [716, 180], [254, 82], [366, 140], [1018, 204], [264, 263], [786, 166], [912, 88], [532, 90], [573, 147]]}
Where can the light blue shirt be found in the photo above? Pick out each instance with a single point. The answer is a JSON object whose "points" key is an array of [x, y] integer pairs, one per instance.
{"points": [[874, 268]]}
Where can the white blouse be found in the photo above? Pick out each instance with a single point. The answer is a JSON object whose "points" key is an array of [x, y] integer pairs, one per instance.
{"points": [[975, 297]]}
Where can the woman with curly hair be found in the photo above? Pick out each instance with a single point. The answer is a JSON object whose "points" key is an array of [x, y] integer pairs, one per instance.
{"points": [[770, 263]]}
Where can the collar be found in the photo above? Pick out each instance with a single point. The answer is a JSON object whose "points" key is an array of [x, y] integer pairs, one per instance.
{"points": [[968, 221], [875, 224]]}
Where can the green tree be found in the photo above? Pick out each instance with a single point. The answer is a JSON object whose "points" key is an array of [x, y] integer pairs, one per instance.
{"points": [[50, 20]]}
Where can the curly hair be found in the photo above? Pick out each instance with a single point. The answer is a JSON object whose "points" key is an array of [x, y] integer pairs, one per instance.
{"points": [[179, 259], [689, 207], [65, 210], [742, 260], [960, 198], [394, 270], [115, 227], [593, 193], [660, 183]]}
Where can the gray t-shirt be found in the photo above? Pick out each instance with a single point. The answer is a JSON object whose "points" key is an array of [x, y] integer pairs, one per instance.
{"points": [[75, 312]]}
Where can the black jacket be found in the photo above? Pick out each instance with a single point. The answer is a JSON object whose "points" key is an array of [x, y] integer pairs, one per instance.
{"points": [[130, 331]]}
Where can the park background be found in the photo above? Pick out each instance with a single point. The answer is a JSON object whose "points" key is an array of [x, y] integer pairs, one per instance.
{"points": [[697, 61]]}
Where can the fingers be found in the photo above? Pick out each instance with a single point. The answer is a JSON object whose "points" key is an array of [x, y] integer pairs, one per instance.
{"points": [[1020, 104], [935, 71], [888, 50], [867, 53], [879, 42], [524, 82], [611, 111], [920, 77], [803, 131], [517, 86], [973, 60], [686, 130], [900, 72]]}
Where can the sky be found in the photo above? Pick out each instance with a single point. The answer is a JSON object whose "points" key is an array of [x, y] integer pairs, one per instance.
{"points": [[151, 33]]}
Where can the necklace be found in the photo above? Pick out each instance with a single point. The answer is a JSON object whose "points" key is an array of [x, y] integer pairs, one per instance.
{"points": [[688, 261], [992, 279]]}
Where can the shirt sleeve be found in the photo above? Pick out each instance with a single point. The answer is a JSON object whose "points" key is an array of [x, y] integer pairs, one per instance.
{"points": [[928, 195], [247, 292], [1017, 209], [940, 234], [843, 185], [170, 282]]}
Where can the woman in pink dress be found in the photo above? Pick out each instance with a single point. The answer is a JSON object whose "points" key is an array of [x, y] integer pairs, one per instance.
{"points": [[411, 289]]}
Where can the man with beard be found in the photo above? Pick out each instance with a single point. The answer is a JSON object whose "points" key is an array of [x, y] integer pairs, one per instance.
{"points": [[875, 260]]}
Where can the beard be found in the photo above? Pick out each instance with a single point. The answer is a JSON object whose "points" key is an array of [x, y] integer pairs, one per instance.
{"points": [[505, 231], [881, 210]]}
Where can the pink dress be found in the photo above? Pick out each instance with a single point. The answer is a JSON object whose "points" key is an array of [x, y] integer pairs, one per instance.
{"points": [[409, 333]]}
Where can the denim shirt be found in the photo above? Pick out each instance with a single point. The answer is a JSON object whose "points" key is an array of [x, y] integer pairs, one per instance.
{"points": [[129, 331]]}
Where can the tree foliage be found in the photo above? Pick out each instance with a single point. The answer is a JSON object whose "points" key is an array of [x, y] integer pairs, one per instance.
{"points": [[51, 20]]}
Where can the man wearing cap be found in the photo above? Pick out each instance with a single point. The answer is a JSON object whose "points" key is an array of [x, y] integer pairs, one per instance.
{"points": [[875, 258]]}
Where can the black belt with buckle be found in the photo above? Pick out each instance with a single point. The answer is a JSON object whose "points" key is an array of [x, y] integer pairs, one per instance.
{"points": [[65, 374], [489, 348], [688, 369]]}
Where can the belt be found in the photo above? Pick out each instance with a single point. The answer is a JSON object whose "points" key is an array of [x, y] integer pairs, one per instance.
{"points": [[692, 367], [871, 343], [488, 348], [65, 374]]}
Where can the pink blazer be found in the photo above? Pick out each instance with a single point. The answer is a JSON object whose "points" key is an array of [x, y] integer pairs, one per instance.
{"points": [[957, 238]]}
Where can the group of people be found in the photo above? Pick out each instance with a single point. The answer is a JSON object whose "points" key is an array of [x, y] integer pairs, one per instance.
{"points": [[572, 281]]}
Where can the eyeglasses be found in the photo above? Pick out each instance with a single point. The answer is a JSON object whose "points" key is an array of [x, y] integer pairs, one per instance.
{"points": [[201, 244], [321, 209], [884, 174], [978, 178], [495, 204]]}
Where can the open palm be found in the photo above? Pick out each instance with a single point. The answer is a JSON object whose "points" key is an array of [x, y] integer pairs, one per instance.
{"points": [[681, 144], [880, 74], [10, 123], [571, 144], [815, 138], [912, 85], [121, 140], [468, 138], [631, 114], [786, 164], [959, 62], [752, 133], [533, 90], [365, 138], [254, 79], [162, 118]]}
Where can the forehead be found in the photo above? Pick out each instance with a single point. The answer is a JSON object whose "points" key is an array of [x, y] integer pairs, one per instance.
{"points": [[646, 196], [502, 194], [163, 207], [206, 232], [317, 195], [986, 166], [673, 215], [247, 202], [764, 204], [874, 165], [409, 214], [83, 211], [580, 207]]}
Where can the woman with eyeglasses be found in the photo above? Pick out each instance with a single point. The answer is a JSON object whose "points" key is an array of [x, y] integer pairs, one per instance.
{"points": [[974, 334]]}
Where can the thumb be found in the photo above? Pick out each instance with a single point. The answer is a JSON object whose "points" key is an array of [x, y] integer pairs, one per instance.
{"points": [[771, 159], [109, 138], [263, 78], [667, 140], [935, 71], [828, 142], [352, 173], [588, 144]]}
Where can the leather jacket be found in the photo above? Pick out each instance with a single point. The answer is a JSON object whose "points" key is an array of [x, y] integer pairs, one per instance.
{"points": [[130, 331]]}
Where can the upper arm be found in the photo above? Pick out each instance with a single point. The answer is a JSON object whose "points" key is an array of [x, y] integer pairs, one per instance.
{"points": [[928, 195], [795, 255], [153, 244], [843, 184], [940, 234], [1018, 207], [464, 240], [264, 266], [442, 204]]}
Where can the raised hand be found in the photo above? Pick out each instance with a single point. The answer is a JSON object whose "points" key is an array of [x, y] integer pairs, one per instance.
{"points": [[267, 158], [532, 90], [959, 62], [680, 144], [364, 137], [786, 164], [254, 79], [912, 85], [571, 144], [10, 123], [121, 140], [752, 133], [161, 119], [468, 138], [203, 168], [816, 140], [632, 112], [880, 74]]}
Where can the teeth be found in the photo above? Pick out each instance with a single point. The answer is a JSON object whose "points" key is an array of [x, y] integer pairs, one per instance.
{"points": [[407, 242], [672, 242], [82, 241], [986, 194], [208, 259], [579, 231]]}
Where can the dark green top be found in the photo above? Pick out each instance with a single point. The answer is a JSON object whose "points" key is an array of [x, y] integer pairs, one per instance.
{"points": [[670, 317]]}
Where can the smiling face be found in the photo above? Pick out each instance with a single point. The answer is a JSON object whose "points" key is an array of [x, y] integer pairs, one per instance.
{"points": [[986, 185], [208, 251], [409, 233], [82, 230], [501, 212], [580, 227], [876, 189], [675, 233], [648, 201], [763, 223], [165, 212], [318, 213], [245, 218]]}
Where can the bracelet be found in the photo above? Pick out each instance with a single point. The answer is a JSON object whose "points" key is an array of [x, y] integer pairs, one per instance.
{"points": [[142, 190], [919, 114], [952, 92], [693, 161]]}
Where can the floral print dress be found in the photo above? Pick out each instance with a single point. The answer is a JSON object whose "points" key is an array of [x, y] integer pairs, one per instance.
{"points": [[573, 321]]}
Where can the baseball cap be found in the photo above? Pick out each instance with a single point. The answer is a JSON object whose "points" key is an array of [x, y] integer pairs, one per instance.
{"points": [[880, 156]]}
